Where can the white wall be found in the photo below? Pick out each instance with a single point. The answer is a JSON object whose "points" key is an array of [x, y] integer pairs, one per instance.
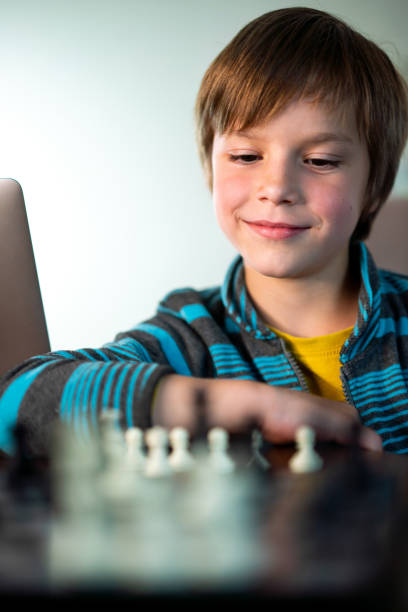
{"points": [[96, 123]]}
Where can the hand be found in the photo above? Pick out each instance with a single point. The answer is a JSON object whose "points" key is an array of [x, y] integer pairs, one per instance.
{"points": [[277, 411]]}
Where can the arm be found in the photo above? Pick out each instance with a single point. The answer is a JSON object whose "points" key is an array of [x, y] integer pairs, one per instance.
{"points": [[74, 386], [277, 411]]}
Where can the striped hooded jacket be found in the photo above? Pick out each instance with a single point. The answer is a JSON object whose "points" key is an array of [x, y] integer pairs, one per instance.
{"points": [[215, 333]]}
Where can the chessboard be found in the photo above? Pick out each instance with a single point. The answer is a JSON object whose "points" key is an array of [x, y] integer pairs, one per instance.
{"points": [[133, 515]]}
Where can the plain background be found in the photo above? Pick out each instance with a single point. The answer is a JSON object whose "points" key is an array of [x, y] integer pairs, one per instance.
{"points": [[96, 124]]}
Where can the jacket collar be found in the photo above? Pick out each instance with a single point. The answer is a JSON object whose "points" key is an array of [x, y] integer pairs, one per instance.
{"points": [[242, 310]]}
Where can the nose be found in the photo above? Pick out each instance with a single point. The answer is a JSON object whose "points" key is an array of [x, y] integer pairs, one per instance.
{"points": [[278, 183]]}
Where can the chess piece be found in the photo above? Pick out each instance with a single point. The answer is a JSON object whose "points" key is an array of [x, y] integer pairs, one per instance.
{"points": [[305, 459], [157, 463], [180, 459], [135, 459], [112, 439], [219, 459]]}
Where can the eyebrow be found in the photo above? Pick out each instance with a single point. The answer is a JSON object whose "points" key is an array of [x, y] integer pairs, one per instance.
{"points": [[318, 138], [330, 137]]}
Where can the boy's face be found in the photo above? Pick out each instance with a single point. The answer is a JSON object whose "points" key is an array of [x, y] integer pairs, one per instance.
{"points": [[288, 192]]}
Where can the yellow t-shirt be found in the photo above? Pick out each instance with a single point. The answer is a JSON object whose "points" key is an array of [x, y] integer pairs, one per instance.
{"points": [[318, 358]]}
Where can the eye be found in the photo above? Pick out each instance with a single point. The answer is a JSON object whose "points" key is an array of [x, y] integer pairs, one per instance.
{"points": [[245, 158], [319, 162]]}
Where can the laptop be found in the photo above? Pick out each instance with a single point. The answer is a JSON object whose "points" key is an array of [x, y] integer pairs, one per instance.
{"points": [[23, 329]]}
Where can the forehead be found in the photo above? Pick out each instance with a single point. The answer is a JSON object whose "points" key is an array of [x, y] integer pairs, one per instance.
{"points": [[304, 119]]}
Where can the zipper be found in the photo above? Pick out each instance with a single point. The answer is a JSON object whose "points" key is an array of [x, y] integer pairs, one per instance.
{"points": [[345, 388], [294, 365]]}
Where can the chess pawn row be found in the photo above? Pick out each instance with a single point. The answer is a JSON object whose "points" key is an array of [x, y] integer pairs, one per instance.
{"points": [[126, 452], [159, 463]]}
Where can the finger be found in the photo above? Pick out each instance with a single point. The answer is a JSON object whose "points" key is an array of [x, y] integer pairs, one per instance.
{"points": [[370, 440]]}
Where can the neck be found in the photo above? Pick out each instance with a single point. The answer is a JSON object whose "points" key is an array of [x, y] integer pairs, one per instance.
{"points": [[305, 307]]}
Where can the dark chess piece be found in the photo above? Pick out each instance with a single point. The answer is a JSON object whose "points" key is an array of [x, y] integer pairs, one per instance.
{"points": [[200, 407]]}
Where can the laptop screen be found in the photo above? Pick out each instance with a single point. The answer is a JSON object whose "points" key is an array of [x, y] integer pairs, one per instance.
{"points": [[23, 329]]}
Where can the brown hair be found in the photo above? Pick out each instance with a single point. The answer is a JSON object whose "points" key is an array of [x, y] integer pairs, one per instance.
{"points": [[297, 53]]}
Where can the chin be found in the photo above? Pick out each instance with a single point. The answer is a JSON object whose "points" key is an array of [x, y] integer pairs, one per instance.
{"points": [[271, 269]]}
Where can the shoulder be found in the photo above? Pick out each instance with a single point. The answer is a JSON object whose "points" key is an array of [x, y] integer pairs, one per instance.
{"points": [[188, 303], [393, 283], [394, 297]]}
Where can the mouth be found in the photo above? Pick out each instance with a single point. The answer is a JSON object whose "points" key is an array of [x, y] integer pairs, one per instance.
{"points": [[276, 231]]}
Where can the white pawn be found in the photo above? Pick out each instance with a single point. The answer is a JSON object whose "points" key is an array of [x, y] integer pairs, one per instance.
{"points": [[157, 463], [305, 459], [113, 443], [219, 459], [180, 459], [135, 458]]}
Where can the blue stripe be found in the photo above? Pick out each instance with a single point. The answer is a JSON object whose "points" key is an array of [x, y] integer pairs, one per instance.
{"points": [[85, 398], [369, 334], [269, 374], [231, 327], [377, 375], [108, 385], [254, 319], [268, 360], [77, 404], [364, 273], [283, 382], [376, 385], [281, 367], [277, 366], [86, 354], [237, 369], [119, 385], [95, 391], [243, 304], [191, 312], [129, 399], [223, 348], [168, 346], [170, 311], [362, 310], [119, 351], [102, 354], [380, 387], [134, 348], [393, 428], [230, 362], [387, 281], [366, 339], [69, 390], [383, 396], [147, 375], [393, 440], [66, 354], [388, 326], [390, 416], [10, 404]]}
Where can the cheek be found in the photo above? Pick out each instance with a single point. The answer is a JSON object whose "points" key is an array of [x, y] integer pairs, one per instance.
{"points": [[338, 206], [229, 193]]}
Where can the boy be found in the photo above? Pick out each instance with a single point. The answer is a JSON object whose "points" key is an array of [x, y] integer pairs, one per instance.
{"points": [[301, 123]]}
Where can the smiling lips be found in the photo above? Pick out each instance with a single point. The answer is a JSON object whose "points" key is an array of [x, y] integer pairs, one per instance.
{"points": [[275, 231]]}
